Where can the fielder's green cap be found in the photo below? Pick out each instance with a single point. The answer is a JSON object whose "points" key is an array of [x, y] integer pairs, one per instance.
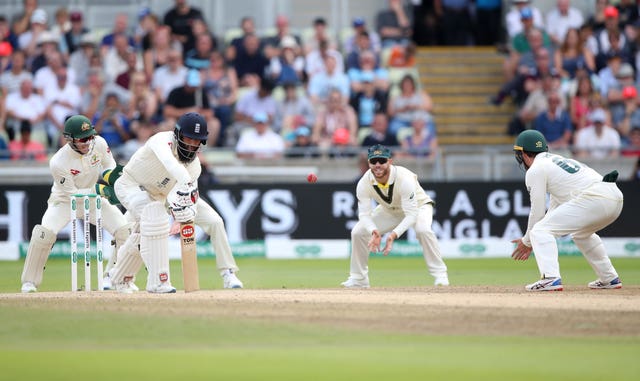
{"points": [[378, 150]]}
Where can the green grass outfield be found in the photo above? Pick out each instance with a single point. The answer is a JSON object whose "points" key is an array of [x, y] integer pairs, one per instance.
{"points": [[39, 341]]}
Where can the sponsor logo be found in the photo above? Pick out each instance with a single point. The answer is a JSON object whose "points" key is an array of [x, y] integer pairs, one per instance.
{"points": [[74, 171], [62, 180], [313, 250], [472, 249], [164, 277], [196, 129], [632, 248], [187, 231]]}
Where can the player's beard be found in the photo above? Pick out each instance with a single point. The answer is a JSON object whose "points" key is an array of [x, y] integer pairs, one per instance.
{"points": [[380, 172]]}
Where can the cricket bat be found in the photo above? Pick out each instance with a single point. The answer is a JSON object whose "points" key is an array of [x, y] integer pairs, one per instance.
{"points": [[189, 257]]}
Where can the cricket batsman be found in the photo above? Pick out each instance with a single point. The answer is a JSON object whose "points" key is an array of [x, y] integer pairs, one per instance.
{"points": [[161, 179], [582, 202], [75, 169]]}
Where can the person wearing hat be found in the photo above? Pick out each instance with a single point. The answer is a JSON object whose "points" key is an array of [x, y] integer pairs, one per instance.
{"points": [[288, 66], [28, 40], [610, 38], [23, 21], [73, 38], [302, 145], [402, 203], [350, 44], [260, 142], [631, 116], [581, 202], [597, 140], [513, 19], [80, 59]]}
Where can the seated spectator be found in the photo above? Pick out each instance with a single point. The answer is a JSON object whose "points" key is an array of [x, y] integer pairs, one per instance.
{"points": [[7, 33], [221, 85], [293, 111], [141, 130], [368, 65], [260, 142], [608, 76], [61, 25], [5, 55], [111, 123], [62, 101], [633, 150], [513, 19], [524, 45], [160, 50], [320, 33], [362, 44], [572, 55], [45, 78], [25, 105], [179, 19], [94, 96], [337, 115], [120, 28], [581, 104], [315, 60], [191, 97], [555, 123], [562, 18], [169, 76], [24, 148], [143, 104], [368, 101], [380, 133], [360, 27], [322, 83], [271, 43], [28, 39], [598, 140], [402, 56], [410, 101], [250, 63], [258, 100], [423, 141], [248, 26], [608, 40], [288, 66], [80, 59], [148, 25], [631, 115], [302, 145], [73, 37], [116, 57], [10, 80], [536, 102], [393, 24], [198, 57], [124, 78]]}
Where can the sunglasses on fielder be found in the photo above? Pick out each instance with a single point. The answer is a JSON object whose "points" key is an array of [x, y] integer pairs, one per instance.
{"points": [[84, 140], [378, 160]]}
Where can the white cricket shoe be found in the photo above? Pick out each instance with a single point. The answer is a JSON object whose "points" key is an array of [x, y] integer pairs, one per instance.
{"points": [[162, 288], [28, 287], [545, 284], [600, 285], [356, 283], [230, 280], [126, 288], [441, 281]]}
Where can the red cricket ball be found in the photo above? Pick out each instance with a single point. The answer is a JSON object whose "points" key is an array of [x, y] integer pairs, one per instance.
{"points": [[312, 178]]}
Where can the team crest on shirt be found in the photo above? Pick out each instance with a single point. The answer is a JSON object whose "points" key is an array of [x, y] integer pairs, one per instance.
{"points": [[74, 171], [94, 159]]}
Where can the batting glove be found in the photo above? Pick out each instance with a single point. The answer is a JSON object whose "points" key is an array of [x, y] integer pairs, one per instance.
{"points": [[182, 195], [183, 213]]}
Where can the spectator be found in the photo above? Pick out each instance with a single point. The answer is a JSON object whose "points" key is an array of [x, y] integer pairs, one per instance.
{"points": [[315, 61], [322, 83], [198, 58], [148, 26], [63, 100], [250, 63], [516, 62], [320, 33], [368, 65], [5, 56], [271, 43], [179, 19], [423, 141], [368, 101], [409, 102], [221, 85], [614, 97], [598, 140], [597, 18], [60, 27], [111, 123], [608, 40], [360, 27], [302, 145], [123, 79], [363, 44], [536, 102], [23, 20], [159, 52], [28, 40], [337, 115], [562, 18], [6, 34], [25, 105], [47, 46], [94, 96], [633, 149], [456, 21], [393, 24], [142, 131], [120, 29], [169, 76], [555, 123], [236, 45], [143, 104], [80, 59], [628, 11], [521, 41], [73, 37], [191, 97], [293, 111], [513, 19], [4, 149], [489, 22], [260, 142], [573, 55], [288, 66], [10, 80], [253, 101], [380, 133], [402, 56], [629, 116], [608, 76], [26, 149], [582, 103], [115, 60]]}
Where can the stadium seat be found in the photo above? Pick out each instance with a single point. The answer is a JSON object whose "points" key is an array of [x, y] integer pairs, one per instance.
{"points": [[362, 133], [232, 33]]}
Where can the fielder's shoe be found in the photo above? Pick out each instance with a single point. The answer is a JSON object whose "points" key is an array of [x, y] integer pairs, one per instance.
{"points": [[28, 287], [545, 284], [126, 288], [356, 283], [600, 285], [441, 281], [230, 280], [162, 288]]}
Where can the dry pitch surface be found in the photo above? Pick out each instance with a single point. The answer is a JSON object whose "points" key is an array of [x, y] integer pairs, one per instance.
{"points": [[469, 310]]}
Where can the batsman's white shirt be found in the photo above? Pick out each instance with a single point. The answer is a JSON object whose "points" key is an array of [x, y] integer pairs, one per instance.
{"points": [[403, 194]]}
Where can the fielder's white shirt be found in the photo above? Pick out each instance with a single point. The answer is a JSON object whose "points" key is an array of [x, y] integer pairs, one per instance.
{"points": [[563, 179], [402, 194], [75, 173], [156, 168]]}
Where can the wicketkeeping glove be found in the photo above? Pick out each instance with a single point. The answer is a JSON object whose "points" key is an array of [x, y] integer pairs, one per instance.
{"points": [[182, 195], [183, 213]]}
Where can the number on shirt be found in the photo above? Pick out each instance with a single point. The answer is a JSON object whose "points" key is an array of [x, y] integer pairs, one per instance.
{"points": [[568, 165]]}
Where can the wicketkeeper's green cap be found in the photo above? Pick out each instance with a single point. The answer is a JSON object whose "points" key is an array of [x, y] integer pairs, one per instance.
{"points": [[378, 150]]}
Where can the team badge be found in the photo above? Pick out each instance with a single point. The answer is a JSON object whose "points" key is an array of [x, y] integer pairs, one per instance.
{"points": [[197, 128]]}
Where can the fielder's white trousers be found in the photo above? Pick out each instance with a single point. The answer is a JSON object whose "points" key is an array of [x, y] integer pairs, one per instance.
{"points": [[386, 220], [594, 209]]}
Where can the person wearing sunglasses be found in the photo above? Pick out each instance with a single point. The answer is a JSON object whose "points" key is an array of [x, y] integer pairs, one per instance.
{"points": [[75, 168], [402, 204]]}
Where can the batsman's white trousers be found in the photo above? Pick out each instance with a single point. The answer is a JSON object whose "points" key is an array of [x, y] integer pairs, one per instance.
{"points": [[591, 211], [386, 220]]}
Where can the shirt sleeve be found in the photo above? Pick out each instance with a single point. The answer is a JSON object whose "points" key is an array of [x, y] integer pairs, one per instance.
{"points": [[409, 203], [171, 164], [536, 181]]}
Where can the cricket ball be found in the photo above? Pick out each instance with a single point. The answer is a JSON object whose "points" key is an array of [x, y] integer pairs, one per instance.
{"points": [[312, 178]]}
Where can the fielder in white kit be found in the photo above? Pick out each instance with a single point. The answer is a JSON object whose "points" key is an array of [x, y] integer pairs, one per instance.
{"points": [[161, 178], [75, 169], [582, 202], [402, 203]]}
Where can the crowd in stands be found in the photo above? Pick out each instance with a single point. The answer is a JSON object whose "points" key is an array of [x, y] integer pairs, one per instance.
{"points": [[574, 76], [286, 94]]}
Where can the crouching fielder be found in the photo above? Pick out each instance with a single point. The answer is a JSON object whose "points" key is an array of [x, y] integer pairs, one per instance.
{"points": [[75, 169], [163, 174], [402, 203], [582, 202]]}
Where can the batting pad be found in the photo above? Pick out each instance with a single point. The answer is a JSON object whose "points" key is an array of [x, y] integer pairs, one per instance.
{"points": [[129, 261], [42, 239], [154, 243]]}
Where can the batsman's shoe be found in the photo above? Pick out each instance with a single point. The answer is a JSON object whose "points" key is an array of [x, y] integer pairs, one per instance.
{"points": [[28, 287], [600, 285], [230, 280], [162, 288], [545, 284], [356, 283], [441, 281], [126, 288], [106, 283]]}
